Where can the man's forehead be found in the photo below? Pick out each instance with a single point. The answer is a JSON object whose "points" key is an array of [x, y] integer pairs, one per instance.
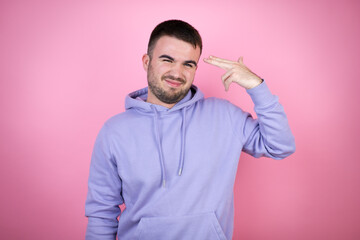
{"points": [[176, 48]]}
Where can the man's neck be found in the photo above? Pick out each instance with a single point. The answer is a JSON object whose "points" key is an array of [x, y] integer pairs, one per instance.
{"points": [[154, 100]]}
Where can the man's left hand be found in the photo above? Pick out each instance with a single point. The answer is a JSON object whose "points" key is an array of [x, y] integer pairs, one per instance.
{"points": [[235, 72]]}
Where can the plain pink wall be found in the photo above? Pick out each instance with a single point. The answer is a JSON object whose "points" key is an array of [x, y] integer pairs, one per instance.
{"points": [[66, 66]]}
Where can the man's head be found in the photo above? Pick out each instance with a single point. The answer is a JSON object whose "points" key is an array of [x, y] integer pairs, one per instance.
{"points": [[173, 53], [177, 29]]}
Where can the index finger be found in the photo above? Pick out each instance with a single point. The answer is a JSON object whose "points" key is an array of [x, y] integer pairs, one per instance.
{"points": [[219, 62], [221, 59]]}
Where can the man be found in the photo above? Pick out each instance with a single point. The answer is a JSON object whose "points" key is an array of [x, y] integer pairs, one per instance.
{"points": [[172, 156]]}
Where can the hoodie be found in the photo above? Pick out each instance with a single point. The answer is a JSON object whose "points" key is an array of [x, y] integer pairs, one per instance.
{"points": [[174, 169]]}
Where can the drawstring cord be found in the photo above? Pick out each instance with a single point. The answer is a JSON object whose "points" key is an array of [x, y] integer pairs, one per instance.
{"points": [[182, 150], [159, 146]]}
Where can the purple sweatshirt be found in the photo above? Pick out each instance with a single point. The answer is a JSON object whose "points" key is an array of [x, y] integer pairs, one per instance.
{"points": [[175, 168]]}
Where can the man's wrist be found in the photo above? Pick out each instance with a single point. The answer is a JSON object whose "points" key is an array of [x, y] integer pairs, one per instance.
{"points": [[257, 81]]}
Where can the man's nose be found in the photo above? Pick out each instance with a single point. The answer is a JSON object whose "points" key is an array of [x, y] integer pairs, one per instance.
{"points": [[177, 70]]}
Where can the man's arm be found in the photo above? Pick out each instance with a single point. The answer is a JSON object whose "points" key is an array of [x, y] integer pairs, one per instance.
{"points": [[104, 191], [270, 134]]}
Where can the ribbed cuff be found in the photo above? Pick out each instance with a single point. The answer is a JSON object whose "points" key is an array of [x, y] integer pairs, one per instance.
{"points": [[260, 94]]}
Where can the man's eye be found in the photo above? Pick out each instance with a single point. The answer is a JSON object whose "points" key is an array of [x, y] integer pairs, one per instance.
{"points": [[188, 65], [167, 60]]}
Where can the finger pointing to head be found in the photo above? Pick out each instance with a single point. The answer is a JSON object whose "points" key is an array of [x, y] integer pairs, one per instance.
{"points": [[218, 63]]}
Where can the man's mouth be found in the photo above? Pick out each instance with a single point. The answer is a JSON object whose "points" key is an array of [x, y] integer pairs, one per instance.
{"points": [[173, 82]]}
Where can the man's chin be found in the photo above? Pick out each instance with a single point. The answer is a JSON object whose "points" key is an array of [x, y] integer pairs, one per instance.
{"points": [[173, 98], [168, 94]]}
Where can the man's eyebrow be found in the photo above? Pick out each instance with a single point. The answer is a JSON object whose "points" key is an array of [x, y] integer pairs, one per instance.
{"points": [[167, 56], [172, 59], [191, 61]]}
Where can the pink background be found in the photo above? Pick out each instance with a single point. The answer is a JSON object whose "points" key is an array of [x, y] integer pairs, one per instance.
{"points": [[66, 66]]}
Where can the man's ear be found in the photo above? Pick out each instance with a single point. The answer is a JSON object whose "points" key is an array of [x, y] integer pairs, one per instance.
{"points": [[146, 61]]}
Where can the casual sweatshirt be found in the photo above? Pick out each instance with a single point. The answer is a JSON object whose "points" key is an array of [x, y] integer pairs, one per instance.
{"points": [[175, 168]]}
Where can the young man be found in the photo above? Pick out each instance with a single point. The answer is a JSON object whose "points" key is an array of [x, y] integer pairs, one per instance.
{"points": [[172, 156]]}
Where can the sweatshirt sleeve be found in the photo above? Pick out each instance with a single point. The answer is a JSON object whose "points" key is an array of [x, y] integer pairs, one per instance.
{"points": [[269, 135], [104, 191]]}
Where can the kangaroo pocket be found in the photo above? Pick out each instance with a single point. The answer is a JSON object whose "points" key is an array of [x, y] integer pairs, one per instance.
{"points": [[201, 226]]}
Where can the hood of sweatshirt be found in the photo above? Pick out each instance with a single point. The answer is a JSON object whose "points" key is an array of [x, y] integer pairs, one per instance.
{"points": [[137, 100]]}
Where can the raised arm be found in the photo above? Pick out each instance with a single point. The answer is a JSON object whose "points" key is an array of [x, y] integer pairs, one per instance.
{"points": [[270, 134]]}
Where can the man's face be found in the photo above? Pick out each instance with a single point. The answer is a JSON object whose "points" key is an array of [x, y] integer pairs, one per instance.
{"points": [[170, 70]]}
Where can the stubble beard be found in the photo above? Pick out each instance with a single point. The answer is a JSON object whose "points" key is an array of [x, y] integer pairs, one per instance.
{"points": [[169, 97]]}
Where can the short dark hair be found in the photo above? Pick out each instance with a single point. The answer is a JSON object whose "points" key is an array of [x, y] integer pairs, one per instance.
{"points": [[175, 28]]}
